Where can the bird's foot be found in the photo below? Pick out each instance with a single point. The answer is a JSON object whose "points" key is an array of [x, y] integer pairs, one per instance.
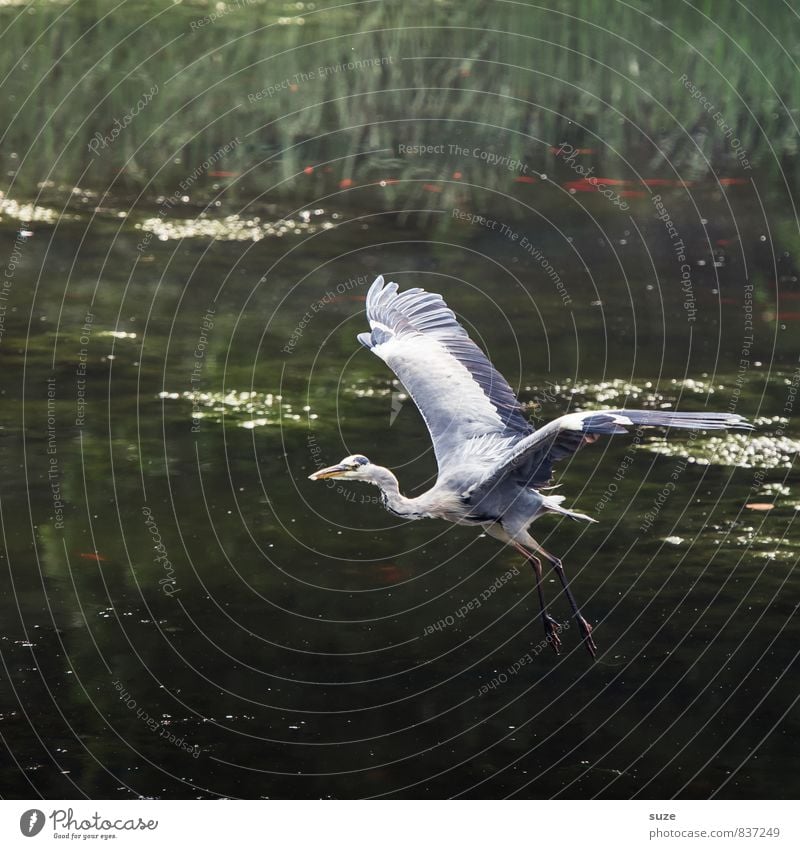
{"points": [[551, 629], [586, 632]]}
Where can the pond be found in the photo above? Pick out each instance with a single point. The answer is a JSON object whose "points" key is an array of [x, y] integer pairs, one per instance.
{"points": [[186, 615]]}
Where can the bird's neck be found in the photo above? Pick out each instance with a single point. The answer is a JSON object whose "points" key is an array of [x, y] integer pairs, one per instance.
{"points": [[393, 501]]}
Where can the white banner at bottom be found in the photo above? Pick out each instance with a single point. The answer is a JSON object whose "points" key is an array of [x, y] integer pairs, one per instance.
{"points": [[402, 824]]}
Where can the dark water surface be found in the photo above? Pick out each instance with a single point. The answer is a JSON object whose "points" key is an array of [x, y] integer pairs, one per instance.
{"points": [[294, 638]]}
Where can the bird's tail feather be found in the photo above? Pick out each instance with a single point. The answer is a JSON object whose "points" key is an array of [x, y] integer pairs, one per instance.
{"points": [[552, 503]]}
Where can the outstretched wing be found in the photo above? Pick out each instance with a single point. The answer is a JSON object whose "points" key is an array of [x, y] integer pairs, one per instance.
{"points": [[530, 461], [465, 402]]}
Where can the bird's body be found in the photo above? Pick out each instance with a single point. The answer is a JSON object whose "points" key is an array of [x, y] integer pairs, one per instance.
{"points": [[493, 464]]}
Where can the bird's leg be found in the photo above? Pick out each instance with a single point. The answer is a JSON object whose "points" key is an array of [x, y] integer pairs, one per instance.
{"points": [[551, 627], [583, 625]]}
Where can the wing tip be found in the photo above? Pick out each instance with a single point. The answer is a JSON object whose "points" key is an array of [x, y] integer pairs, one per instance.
{"points": [[374, 291], [741, 423], [683, 420]]}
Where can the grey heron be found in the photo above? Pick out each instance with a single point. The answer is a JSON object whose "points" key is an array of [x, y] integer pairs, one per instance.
{"points": [[494, 467]]}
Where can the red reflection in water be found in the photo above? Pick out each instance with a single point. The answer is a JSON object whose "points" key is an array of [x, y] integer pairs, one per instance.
{"points": [[390, 573]]}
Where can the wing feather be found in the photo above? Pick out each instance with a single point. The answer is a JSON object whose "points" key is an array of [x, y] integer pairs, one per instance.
{"points": [[531, 460], [459, 393]]}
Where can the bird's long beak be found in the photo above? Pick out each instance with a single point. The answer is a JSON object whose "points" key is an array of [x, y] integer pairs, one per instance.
{"points": [[330, 472]]}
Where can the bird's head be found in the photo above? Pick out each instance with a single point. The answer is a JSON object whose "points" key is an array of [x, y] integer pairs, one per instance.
{"points": [[354, 467]]}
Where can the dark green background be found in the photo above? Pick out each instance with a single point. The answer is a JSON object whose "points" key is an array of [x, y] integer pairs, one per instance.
{"points": [[292, 653]]}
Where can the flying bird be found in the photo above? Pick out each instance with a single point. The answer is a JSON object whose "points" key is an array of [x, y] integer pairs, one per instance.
{"points": [[495, 468]]}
